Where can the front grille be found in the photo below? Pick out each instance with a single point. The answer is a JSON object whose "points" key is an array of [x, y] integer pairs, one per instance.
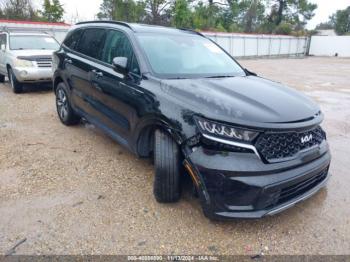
{"points": [[44, 62], [280, 146], [302, 187]]}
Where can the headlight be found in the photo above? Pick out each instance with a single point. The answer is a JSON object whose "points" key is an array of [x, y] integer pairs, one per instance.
{"points": [[224, 131], [23, 63]]}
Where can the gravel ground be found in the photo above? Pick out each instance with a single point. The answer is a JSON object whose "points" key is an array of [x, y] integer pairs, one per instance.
{"points": [[72, 190]]}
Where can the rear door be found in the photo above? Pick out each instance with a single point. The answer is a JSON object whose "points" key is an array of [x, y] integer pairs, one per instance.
{"points": [[79, 62]]}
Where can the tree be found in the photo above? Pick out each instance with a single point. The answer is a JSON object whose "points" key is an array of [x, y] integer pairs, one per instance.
{"points": [[107, 10], [157, 11], [293, 12], [284, 16], [341, 21], [252, 15], [52, 12], [122, 10], [19, 9], [206, 16], [325, 26], [182, 14]]}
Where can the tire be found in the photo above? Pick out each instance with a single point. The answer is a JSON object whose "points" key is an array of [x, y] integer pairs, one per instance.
{"points": [[64, 110], [16, 86], [167, 168], [2, 78]]}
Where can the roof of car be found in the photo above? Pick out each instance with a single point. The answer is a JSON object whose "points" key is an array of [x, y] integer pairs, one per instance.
{"points": [[145, 28], [26, 33]]}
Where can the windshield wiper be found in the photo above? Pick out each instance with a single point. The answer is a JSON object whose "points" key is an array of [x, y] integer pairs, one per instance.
{"points": [[219, 76], [177, 78]]}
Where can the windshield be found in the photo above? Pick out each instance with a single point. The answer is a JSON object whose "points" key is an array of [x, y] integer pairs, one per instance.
{"points": [[187, 56], [19, 42]]}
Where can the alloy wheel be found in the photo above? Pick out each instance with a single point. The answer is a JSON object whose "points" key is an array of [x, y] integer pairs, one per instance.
{"points": [[11, 79], [62, 104]]}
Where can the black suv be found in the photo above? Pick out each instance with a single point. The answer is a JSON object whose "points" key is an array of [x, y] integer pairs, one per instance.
{"points": [[252, 147]]}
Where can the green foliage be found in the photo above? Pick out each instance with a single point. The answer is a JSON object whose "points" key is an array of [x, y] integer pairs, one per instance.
{"points": [[158, 12], [52, 11], [263, 16], [342, 21], [24, 10], [182, 14], [206, 17], [284, 28], [294, 12], [107, 10], [19, 10], [325, 26], [339, 21]]}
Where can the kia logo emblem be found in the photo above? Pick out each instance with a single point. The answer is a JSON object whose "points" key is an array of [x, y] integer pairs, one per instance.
{"points": [[306, 139]]}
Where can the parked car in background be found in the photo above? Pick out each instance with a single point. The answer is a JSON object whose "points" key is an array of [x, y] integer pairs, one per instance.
{"points": [[253, 147], [26, 58]]}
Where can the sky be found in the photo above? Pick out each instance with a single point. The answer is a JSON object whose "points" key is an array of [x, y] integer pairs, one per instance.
{"points": [[88, 9]]}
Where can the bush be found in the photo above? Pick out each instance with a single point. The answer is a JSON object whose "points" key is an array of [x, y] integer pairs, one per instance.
{"points": [[283, 29]]}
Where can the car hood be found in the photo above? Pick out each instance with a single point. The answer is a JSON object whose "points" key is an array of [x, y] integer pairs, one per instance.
{"points": [[29, 53], [243, 100]]}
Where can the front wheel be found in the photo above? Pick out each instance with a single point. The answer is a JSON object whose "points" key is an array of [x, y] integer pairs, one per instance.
{"points": [[64, 109], [16, 86], [167, 167]]}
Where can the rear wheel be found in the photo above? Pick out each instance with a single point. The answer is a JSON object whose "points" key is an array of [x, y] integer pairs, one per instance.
{"points": [[64, 109], [16, 86], [167, 165]]}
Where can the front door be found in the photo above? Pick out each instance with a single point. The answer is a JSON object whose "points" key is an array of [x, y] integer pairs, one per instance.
{"points": [[117, 95]]}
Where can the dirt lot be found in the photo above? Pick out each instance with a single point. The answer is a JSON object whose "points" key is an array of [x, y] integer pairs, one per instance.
{"points": [[72, 190]]}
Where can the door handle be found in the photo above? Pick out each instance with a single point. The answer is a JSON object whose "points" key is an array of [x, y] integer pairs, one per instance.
{"points": [[69, 61], [97, 73]]}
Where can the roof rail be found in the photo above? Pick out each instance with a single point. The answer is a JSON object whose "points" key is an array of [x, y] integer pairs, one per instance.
{"points": [[106, 21], [191, 30]]}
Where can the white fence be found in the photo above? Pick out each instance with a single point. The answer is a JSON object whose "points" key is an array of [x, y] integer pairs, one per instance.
{"points": [[330, 45], [245, 45]]}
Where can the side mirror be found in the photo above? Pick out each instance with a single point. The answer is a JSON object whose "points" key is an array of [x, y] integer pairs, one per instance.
{"points": [[120, 64], [3, 47], [249, 73]]}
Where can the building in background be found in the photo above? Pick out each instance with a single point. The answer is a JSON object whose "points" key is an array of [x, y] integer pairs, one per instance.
{"points": [[57, 30], [326, 32]]}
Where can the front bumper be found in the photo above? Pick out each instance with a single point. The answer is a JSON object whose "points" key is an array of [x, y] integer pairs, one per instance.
{"points": [[240, 185], [33, 74]]}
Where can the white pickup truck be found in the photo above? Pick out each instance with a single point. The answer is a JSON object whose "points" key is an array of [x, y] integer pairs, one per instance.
{"points": [[26, 58]]}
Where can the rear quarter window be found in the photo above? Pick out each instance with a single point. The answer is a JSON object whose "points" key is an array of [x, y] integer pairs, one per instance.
{"points": [[72, 39]]}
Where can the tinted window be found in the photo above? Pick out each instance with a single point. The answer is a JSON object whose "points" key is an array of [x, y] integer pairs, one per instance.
{"points": [[73, 39], [187, 55], [19, 42], [91, 42], [118, 45], [3, 39]]}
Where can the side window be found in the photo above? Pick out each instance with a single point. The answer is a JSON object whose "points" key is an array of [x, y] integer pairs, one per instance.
{"points": [[2, 39], [91, 42], [117, 44], [72, 40]]}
